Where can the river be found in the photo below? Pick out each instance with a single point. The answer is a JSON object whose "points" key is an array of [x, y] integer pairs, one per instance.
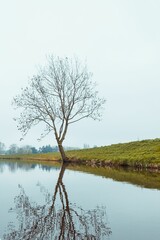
{"points": [[46, 201]]}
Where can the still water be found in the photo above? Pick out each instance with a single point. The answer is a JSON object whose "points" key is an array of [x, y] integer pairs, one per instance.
{"points": [[40, 201]]}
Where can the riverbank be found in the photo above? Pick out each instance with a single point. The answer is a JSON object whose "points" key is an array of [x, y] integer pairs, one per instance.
{"points": [[139, 154]]}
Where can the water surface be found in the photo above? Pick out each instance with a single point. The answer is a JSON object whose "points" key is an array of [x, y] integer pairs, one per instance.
{"points": [[49, 202]]}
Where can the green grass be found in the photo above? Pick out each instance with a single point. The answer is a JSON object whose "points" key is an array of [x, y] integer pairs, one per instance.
{"points": [[145, 154], [38, 156]]}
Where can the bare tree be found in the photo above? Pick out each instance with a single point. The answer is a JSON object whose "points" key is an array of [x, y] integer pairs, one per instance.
{"points": [[13, 149], [52, 221], [2, 148], [61, 94]]}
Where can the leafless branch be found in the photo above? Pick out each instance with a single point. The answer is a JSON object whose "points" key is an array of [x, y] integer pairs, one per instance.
{"points": [[60, 94]]}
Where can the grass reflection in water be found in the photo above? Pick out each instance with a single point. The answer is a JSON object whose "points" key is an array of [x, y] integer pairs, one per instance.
{"points": [[139, 177]]}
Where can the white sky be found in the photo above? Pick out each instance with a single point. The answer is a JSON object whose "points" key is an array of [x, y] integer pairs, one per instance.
{"points": [[119, 39]]}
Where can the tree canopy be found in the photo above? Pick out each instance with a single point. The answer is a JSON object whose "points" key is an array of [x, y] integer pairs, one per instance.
{"points": [[60, 94]]}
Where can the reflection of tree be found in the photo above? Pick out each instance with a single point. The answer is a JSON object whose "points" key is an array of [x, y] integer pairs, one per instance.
{"points": [[13, 166], [48, 221]]}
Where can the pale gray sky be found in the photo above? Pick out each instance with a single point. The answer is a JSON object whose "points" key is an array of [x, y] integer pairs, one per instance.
{"points": [[119, 39]]}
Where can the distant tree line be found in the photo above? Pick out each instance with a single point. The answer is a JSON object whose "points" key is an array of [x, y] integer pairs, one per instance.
{"points": [[2, 148], [28, 149]]}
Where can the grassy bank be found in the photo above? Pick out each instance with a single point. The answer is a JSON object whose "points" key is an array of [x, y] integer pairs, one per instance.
{"points": [[145, 154], [141, 154]]}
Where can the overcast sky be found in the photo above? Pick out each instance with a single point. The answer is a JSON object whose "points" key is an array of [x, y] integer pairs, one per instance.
{"points": [[120, 41]]}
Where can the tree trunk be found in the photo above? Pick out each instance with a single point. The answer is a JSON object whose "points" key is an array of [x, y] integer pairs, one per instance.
{"points": [[62, 152], [63, 168]]}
